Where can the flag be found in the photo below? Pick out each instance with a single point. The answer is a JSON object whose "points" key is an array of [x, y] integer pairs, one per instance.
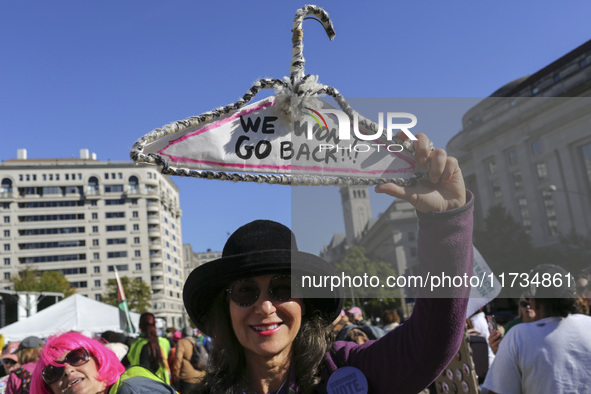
{"points": [[124, 317], [490, 289]]}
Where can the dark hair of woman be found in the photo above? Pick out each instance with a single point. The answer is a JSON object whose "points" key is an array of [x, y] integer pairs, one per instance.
{"points": [[227, 368], [148, 327], [558, 306]]}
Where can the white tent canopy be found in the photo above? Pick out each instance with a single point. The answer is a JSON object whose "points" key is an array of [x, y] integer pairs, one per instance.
{"points": [[76, 313]]}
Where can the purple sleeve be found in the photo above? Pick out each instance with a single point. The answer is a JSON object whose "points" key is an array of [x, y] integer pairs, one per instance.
{"points": [[409, 358], [13, 384]]}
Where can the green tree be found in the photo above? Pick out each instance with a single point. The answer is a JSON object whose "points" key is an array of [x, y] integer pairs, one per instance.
{"points": [[573, 253], [30, 279], [355, 262], [504, 244], [137, 294]]}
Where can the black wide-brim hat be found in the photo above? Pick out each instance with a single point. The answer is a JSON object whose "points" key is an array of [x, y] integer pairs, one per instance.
{"points": [[262, 247]]}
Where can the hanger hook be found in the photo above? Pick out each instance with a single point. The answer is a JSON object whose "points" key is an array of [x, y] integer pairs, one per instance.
{"points": [[297, 59]]}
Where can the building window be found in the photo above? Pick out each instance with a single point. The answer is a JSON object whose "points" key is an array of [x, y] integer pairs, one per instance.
{"points": [[6, 247], [512, 157], [586, 151], [541, 171], [116, 255], [496, 189], [98, 297], [112, 215], [95, 229], [97, 270], [135, 214], [119, 227], [6, 219], [583, 63], [517, 182], [7, 233], [525, 220], [536, 147], [7, 261], [96, 256], [138, 253], [7, 275], [113, 188], [136, 240], [97, 283], [138, 267], [6, 186], [94, 216], [550, 212], [492, 168], [136, 227], [121, 267], [95, 242]]}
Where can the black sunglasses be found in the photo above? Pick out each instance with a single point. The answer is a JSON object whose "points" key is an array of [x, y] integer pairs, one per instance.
{"points": [[8, 361], [245, 292], [524, 304], [75, 358]]}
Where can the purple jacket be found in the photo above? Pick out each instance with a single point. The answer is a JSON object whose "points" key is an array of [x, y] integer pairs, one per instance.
{"points": [[409, 358]]}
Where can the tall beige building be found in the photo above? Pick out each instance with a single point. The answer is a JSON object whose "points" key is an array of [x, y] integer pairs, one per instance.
{"points": [[84, 217], [194, 259]]}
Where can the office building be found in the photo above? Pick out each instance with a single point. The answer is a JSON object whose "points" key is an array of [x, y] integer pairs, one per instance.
{"points": [[528, 148], [84, 217]]}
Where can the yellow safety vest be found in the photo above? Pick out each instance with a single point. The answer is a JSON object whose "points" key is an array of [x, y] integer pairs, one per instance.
{"points": [[136, 349]]}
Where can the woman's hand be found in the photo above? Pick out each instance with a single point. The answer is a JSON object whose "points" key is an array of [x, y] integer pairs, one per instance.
{"points": [[444, 190], [494, 340]]}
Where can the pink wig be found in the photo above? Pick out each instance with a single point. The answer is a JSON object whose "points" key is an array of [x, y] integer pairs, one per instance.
{"points": [[108, 365]]}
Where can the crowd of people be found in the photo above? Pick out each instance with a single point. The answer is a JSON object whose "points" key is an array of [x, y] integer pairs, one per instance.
{"points": [[257, 333], [109, 363]]}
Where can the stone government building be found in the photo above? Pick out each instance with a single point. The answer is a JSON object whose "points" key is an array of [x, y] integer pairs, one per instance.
{"points": [[527, 147]]}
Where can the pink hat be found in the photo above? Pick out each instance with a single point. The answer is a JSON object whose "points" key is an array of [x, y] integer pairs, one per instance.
{"points": [[177, 336], [9, 350], [355, 311]]}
